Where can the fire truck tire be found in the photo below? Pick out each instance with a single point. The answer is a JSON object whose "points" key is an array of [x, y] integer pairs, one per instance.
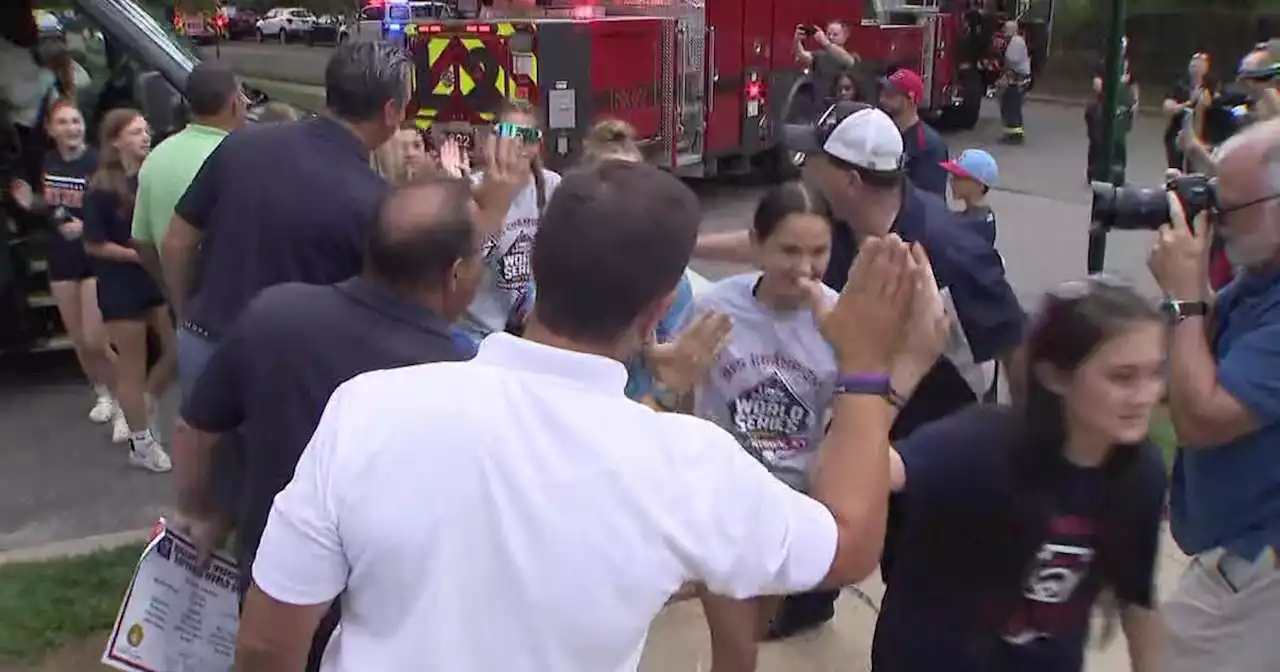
{"points": [[965, 116]]}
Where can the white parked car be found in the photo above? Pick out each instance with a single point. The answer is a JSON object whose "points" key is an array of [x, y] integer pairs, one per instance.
{"points": [[285, 23]]}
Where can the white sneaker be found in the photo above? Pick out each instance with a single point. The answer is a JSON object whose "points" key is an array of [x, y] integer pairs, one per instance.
{"points": [[119, 427], [104, 409], [147, 453]]}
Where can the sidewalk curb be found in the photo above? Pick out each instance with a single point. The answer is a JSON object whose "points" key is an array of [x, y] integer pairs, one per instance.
{"points": [[1059, 100], [73, 547]]}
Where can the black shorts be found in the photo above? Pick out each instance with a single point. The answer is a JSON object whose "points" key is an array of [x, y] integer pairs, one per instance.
{"points": [[68, 261], [127, 292]]}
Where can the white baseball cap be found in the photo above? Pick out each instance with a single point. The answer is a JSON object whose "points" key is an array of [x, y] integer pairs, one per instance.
{"points": [[854, 133]]}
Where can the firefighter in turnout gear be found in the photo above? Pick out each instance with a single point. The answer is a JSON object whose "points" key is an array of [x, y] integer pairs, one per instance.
{"points": [[1015, 80]]}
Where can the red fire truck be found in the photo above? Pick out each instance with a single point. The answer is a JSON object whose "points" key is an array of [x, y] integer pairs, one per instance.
{"points": [[705, 82]]}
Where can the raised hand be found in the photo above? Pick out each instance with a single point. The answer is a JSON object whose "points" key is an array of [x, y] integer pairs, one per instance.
{"points": [[453, 161], [865, 326], [22, 194], [928, 326], [680, 364]]}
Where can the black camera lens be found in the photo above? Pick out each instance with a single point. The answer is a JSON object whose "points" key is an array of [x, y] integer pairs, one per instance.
{"points": [[1128, 208]]}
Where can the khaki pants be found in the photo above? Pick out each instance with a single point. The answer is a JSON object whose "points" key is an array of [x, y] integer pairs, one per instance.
{"points": [[1225, 615]]}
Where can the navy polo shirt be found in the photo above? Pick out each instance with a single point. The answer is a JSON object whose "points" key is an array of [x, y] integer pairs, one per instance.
{"points": [[1229, 495], [925, 151], [970, 273], [277, 203], [274, 371]]}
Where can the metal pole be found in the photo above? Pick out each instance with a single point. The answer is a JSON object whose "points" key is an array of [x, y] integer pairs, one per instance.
{"points": [[1113, 70]]}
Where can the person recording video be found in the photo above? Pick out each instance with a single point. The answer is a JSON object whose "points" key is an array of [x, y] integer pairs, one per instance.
{"points": [[829, 60], [1187, 103], [1252, 98]]}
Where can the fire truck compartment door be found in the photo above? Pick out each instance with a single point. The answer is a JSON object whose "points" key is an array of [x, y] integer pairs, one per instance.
{"points": [[464, 75], [724, 52]]}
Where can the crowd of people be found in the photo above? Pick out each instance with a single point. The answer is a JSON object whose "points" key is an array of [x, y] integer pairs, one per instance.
{"points": [[462, 412]]}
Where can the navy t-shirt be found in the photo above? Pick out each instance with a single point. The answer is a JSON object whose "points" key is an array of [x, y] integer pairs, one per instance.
{"points": [[277, 203], [925, 152], [982, 219], [940, 612], [64, 184], [107, 220], [971, 275]]}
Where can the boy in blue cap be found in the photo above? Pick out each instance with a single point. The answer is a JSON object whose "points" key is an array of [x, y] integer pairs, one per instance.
{"points": [[973, 174]]}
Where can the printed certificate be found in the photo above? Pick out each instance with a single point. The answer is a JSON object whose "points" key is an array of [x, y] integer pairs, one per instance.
{"points": [[175, 619]]}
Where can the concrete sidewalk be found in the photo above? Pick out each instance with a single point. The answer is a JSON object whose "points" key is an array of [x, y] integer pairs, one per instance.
{"points": [[678, 641]]}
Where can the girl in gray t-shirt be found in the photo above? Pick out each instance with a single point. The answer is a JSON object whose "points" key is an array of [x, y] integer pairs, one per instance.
{"points": [[507, 285], [771, 384]]}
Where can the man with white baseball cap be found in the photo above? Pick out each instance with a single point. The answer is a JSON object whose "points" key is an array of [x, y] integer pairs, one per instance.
{"points": [[853, 155]]}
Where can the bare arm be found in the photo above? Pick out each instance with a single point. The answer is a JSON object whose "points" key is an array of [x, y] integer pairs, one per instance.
{"points": [[1015, 371], [1204, 414], [177, 257], [1144, 630], [149, 257], [727, 246], [111, 252], [192, 467], [274, 636], [804, 56]]}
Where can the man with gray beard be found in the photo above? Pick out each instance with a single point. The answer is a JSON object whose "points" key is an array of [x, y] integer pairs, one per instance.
{"points": [[1224, 398]]}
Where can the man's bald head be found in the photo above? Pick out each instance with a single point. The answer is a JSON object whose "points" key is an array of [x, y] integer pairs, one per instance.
{"points": [[424, 229], [1248, 191]]}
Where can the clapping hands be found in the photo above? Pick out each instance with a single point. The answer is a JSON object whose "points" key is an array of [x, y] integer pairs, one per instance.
{"points": [[680, 364]]}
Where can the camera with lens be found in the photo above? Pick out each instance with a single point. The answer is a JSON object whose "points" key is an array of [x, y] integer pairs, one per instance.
{"points": [[809, 31], [1147, 208]]}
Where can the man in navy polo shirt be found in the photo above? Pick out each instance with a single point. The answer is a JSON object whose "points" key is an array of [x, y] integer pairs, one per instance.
{"points": [[854, 156], [1224, 398], [273, 373], [924, 149]]}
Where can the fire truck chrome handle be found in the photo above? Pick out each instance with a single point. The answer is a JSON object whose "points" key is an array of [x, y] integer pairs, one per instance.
{"points": [[712, 75]]}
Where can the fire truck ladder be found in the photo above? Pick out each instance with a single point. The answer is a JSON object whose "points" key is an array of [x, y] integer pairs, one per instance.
{"points": [[691, 87], [923, 13]]}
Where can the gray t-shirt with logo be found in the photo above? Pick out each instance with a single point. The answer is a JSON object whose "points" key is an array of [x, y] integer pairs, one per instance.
{"points": [[508, 263], [771, 385]]}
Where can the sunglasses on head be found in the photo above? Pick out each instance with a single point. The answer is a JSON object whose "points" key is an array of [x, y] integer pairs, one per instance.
{"points": [[1074, 290], [526, 134]]}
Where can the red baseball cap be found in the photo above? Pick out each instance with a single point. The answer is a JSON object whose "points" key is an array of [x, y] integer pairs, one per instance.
{"points": [[907, 83]]}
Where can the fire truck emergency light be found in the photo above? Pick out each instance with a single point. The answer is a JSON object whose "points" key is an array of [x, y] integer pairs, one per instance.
{"points": [[755, 90]]}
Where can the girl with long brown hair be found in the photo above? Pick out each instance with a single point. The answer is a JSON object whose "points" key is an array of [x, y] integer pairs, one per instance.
{"points": [[403, 157], [507, 288], [130, 301], [60, 200]]}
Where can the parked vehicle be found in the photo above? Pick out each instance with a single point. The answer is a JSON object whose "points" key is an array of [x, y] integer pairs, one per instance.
{"points": [[327, 29], [285, 23], [241, 22]]}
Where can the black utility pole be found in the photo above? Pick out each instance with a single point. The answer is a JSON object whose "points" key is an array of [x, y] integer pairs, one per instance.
{"points": [[1113, 70]]}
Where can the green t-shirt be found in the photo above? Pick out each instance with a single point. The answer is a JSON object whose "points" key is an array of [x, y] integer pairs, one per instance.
{"points": [[165, 176]]}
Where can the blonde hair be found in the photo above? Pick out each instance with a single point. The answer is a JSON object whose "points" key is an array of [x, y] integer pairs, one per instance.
{"points": [[611, 139]]}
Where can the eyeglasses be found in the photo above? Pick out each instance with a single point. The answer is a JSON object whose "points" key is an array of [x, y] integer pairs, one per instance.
{"points": [[1218, 214]]}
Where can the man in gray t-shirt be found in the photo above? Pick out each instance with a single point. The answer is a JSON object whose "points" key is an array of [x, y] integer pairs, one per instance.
{"points": [[772, 382]]}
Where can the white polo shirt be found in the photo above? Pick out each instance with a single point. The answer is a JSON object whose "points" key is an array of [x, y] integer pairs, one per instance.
{"points": [[517, 512]]}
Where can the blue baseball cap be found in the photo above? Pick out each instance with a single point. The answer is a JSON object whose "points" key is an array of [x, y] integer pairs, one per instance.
{"points": [[976, 165]]}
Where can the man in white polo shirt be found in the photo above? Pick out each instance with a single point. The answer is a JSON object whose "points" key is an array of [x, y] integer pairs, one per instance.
{"points": [[518, 513]]}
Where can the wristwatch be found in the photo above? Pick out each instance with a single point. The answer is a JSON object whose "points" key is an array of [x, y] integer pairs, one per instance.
{"points": [[1177, 311], [870, 385]]}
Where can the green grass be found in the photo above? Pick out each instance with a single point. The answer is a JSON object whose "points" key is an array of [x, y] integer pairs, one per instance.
{"points": [[46, 605], [1163, 436]]}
